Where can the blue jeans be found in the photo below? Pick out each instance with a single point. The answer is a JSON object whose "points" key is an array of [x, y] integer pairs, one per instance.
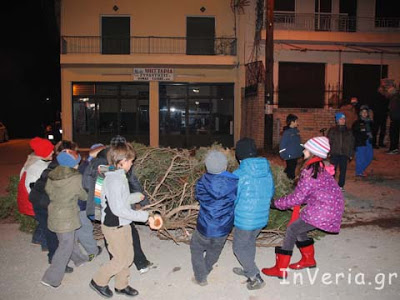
{"points": [[244, 248], [364, 156]]}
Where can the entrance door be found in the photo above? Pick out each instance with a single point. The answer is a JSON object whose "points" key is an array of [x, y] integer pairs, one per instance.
{"points": [[200, 36], [323, 17], [362, 81]]}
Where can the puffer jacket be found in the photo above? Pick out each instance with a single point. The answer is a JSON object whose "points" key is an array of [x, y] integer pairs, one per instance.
{"points": [[255, 191], [323, 198], [216, 194], [290, 146], [341, 140], [64, 187]]}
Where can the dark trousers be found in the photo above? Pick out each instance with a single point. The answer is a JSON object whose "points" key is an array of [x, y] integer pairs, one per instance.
{"points": [[139, 258], [379, 126], [291, 168], [297, 231], [394, 132], [205, 253], [341, 162], [41, 216]]}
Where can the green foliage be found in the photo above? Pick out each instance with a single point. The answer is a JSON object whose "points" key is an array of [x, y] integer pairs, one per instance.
{"points": [[9, 208]]}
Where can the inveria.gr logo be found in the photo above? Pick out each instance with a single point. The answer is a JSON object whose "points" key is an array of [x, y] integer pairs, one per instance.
{"points": [[314, 276]]}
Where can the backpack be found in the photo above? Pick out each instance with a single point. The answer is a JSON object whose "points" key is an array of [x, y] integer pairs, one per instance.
{"points": [[24, 205]]}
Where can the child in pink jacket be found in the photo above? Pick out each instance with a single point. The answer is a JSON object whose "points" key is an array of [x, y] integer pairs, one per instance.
{"points": [[324, 206]]}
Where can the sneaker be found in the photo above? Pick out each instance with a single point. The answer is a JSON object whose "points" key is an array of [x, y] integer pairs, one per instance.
{"points": [[342, 189], [143, 270], [68, 270], [92, 256], [256, 283], [395, 151], [200, 282], [49, 285], [238, 271]]}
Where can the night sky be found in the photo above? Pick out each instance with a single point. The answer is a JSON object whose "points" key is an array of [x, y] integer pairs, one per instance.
{"points": [[29, 69]]}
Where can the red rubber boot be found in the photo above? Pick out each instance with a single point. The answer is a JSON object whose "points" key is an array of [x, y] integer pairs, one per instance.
{"points": [[282, 262], [307, 255]]}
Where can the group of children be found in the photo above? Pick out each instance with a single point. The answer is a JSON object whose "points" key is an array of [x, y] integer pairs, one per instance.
{"points": [[240, 201], [344, 143], [59, 193]]}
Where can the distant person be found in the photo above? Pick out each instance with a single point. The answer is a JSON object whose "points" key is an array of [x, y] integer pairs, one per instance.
{"points": [[393, 95], [64, 187], [324, 206], [216, 193], [255, 191], [341, 141], [35, 164], [290, 148], [116, 216], [350, 110], [362, 131], [380, 107]]}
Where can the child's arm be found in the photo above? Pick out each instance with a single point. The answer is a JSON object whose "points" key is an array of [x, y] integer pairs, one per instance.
{"points": [[298, 197], [117, 197]]}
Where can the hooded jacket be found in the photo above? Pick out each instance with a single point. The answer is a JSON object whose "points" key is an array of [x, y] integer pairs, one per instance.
{"points": [[323, 198], [64, 188], [341, 140], [216, 194], [255, 191]]}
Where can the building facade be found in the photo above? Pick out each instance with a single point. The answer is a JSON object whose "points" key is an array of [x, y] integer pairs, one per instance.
{"points": [[174, 73]]}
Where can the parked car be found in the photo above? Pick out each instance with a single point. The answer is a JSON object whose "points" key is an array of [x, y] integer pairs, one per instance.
{"points": [[3, 133]]}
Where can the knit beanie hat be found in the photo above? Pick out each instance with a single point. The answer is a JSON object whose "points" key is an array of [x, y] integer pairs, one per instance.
{"points": [[245, 148], [68, 158], [216, 162], [319, 146], [41, 147], [118, 139], [339, 115]]}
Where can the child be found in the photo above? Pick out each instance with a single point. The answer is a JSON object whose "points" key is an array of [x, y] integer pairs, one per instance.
{"points": [[290, 148], [116, 217], [216, 193], [255, 190], [324, 201], [36, 163], [64, 188], [341, 141], [362, 131]]}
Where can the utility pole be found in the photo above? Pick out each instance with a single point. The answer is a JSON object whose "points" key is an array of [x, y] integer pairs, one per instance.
{"points": [[269, 52]]}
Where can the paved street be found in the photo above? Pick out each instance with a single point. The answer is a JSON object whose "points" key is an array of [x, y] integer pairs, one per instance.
{"points": [[359, 263]]}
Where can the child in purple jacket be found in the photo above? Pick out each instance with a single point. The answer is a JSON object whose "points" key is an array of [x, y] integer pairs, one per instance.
{"points": [[319, 191]]}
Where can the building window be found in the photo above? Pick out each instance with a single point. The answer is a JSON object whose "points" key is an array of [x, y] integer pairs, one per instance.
{"points": [[387, 13], [115, 35], [301, 85], [200, 35], [323, 17], [193, 115], [108, 109], [284, 11]]}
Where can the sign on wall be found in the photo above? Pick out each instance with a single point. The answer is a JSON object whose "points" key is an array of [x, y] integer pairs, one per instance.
{"points": [[153, 74]]}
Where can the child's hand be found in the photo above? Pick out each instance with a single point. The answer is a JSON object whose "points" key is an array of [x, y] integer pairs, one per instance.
{"points": [[156, 222], [136, 198]]}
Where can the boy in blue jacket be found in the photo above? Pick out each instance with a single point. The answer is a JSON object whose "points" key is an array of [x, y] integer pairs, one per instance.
{"points": [[290, 147], [255, 191], [216, 193]]}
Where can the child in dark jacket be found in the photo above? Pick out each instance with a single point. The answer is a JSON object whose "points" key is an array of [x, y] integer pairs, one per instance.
{"points": [[362, 131], [255, 191], [290, 148], [341, 141], [216, 193], [324, 208]]}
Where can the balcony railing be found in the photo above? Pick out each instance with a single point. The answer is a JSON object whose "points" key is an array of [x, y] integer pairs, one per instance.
{"points": [[147, 45], [334, 22]]}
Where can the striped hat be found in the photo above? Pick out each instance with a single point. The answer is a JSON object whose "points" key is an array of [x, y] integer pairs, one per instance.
{"points": [[319, 146]]}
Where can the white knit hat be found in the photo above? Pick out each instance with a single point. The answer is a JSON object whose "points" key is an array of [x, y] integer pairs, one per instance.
{"points": [[319, 146]]}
